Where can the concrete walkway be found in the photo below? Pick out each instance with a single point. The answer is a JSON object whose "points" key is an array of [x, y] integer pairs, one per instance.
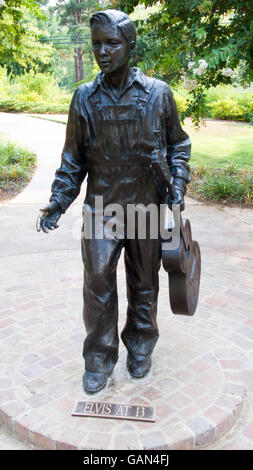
{"points": [[201, 382]]}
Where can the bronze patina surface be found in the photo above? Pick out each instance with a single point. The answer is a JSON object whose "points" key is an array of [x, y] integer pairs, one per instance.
{"points": [[116, 124]]}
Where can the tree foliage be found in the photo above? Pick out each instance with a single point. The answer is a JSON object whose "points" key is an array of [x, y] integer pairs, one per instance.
{"points": [[201, 42], [74, 15], [20, 48], [15, 9]]}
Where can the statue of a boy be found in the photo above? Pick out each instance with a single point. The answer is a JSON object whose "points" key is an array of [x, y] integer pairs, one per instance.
{"points": [[114, 125]]}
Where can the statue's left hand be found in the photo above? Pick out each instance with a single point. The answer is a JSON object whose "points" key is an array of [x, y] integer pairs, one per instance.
{"points": [[49, 218], [179, 190], [178, 196]]}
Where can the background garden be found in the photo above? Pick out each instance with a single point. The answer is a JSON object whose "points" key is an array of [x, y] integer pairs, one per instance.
{"points": [[202, 48]]}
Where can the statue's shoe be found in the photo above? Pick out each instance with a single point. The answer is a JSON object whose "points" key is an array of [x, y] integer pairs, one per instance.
{"points": [[93, 382], [138, 366]]}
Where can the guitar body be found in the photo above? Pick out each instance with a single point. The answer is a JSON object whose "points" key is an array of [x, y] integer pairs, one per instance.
{"points": [[183, 266]]}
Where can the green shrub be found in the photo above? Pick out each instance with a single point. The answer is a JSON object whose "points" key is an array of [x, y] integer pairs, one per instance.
{"points": [[222, 92], [223, 185], [15, 163], [222, 102], [226, 109], [229, 102], [245, 101], [33, 93], [180, 102]]}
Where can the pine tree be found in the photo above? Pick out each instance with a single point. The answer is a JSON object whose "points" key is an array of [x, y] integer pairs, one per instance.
{"points": [[75, 15]]}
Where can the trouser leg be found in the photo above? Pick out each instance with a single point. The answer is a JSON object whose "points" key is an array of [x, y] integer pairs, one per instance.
{"points": [[142, 260], [100, 310]]}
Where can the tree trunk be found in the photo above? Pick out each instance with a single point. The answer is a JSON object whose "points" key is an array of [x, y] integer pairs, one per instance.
{"points": [[79, 64], [78, 50]]}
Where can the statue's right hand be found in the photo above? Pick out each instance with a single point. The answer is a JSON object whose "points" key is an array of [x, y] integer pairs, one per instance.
{"points": [[49, 217]]}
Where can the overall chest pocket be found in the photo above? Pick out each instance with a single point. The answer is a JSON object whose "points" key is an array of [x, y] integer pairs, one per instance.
{"points": [[119, 130]]}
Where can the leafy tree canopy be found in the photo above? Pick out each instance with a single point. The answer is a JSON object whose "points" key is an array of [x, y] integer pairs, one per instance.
{"points": [[20, 48], [201, 42], [15, 8]]}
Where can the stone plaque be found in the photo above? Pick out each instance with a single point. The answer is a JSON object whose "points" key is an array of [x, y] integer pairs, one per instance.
{"points": [[114, 410]]}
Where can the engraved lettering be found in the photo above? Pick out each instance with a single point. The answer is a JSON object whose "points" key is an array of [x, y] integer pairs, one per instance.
{"points": [[98, 407], [126, 409], [108, 409], [92, 408], [86, 408], [119, 410], [140, 412]]}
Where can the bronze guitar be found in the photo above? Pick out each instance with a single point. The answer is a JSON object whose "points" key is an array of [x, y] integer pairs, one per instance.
{"points": [[180, 254]]}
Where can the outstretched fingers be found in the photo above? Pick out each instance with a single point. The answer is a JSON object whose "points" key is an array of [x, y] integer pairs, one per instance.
{"points": [[43, 224]]}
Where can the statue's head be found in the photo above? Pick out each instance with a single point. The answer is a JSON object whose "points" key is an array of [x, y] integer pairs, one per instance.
{"points": [[113, 37]]}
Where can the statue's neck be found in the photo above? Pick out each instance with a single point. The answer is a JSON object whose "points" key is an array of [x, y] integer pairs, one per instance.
{"points": [[118, 79]]}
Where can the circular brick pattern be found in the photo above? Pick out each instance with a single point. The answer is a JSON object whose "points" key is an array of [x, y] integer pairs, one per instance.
{"points": [[195, 383]]}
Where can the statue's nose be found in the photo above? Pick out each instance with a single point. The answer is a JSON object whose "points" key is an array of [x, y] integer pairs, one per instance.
{"points": [[103, 49]]}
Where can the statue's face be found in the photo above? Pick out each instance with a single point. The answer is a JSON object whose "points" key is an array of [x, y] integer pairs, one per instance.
{"points": [[110, 48]]}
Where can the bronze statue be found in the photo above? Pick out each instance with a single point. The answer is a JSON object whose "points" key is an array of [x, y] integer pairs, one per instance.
{"points": [[115, 124]]}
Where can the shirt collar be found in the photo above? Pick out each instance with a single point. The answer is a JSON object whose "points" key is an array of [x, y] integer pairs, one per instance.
{"points": [[135, 76]]}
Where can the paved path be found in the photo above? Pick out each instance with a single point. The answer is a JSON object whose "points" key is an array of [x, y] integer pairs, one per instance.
{"points": [[201, 381]]}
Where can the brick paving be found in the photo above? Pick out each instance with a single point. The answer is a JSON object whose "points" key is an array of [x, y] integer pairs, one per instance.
{"points": [[201, 382]]}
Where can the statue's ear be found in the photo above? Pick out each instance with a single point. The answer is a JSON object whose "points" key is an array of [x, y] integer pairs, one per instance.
{"points": [[132, 46]]}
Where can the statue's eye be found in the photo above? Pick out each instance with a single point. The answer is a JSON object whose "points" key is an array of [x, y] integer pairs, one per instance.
{"points": [[112, 42]]}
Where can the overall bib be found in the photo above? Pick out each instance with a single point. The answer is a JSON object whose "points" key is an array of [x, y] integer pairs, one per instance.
{"points": [[119, 170]]}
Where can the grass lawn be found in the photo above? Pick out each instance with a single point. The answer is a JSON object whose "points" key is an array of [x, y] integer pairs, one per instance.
{"points": [[221, 142], [222, 162]]}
